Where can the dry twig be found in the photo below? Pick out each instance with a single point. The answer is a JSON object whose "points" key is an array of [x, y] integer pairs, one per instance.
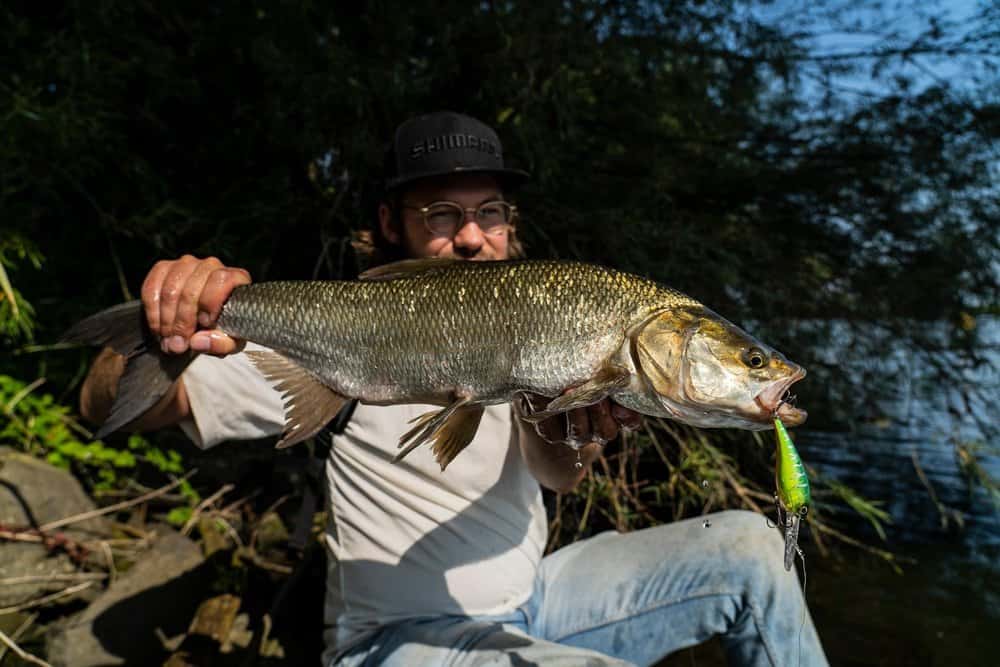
{"points": [[77, 551], [45, 599], [134, 531], [18, 633], [555, 525], [892, 559], [207, 502], [19, 535], [44, 578], [110, 558], [250, 554], [117, 506], [21, 653], [946, 513], [586, 509]]}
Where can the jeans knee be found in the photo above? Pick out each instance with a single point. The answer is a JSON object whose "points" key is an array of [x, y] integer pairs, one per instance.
{"points": [[754, 548]]}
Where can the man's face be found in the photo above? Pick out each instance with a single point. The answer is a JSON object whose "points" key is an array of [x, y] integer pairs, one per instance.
{"points": [[469, 242]]}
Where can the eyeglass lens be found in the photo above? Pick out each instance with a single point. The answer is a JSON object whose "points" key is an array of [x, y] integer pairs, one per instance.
{"points": [[445, 218]]}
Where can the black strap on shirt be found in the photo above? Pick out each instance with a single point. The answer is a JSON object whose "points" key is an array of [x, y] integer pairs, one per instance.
{"points": [[314, 474]]}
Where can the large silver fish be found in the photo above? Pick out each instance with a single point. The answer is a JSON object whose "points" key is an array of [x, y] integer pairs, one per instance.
{"points": [[465, 334]]}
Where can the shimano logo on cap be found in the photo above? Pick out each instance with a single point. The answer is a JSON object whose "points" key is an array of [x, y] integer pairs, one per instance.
{"points": [[452, 141], [442, 143]]}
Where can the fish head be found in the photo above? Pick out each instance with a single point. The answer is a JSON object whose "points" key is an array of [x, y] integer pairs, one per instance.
{"points": [[707, 372]]}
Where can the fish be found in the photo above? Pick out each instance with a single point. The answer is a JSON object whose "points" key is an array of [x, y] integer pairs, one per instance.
{"points": [[794, 494], [461, 335]]}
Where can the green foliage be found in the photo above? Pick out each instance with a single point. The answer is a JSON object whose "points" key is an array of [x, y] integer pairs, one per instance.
{"points": [[179, 516], [37, 424], [868, 509]]}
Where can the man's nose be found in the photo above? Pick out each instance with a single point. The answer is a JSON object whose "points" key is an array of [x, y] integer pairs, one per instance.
{"points": [[469, 238]]}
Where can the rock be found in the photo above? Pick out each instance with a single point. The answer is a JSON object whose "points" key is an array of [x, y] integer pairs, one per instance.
{"points": [[151, 602], [33, 493]]}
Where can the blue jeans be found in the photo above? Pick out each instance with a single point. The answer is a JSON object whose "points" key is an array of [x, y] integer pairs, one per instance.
{"points": [[630, 599]]}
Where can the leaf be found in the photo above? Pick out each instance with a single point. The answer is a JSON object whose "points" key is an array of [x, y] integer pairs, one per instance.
{"points": [[8, 291], [179, 516], [866, 508]]}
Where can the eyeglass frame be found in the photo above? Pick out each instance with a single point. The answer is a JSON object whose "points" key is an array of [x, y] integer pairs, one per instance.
{"points": [[424, 210]]}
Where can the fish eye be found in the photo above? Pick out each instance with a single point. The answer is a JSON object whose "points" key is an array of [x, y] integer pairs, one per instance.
{"points": [[755, 358]]}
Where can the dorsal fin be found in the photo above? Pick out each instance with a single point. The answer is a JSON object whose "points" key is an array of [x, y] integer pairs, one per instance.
{"points": [[407, 268]]}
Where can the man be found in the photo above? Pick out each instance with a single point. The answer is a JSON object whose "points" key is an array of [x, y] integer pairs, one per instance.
{"points": [[432, 568]]}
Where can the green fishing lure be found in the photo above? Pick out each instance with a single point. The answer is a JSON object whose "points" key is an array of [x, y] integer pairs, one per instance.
{"points": [[793, 490]]}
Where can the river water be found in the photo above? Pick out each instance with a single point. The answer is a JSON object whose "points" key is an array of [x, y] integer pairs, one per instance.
{"points": [[944, 609]]}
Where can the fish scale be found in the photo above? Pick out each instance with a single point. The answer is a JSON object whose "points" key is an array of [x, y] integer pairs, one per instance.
{"points": [[488, 328]]}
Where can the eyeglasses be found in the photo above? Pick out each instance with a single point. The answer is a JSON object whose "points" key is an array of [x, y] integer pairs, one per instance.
{"points": [[445, 218]]}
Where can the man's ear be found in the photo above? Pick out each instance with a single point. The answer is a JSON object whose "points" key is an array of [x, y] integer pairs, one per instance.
{"points": [[389, 231]]}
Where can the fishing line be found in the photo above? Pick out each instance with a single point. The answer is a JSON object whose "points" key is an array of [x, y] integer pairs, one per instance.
{"points": [[802, 559], [805, 580]]}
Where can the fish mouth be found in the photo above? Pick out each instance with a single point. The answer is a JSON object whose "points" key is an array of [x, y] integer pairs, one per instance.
{"points": [[773, 401]]}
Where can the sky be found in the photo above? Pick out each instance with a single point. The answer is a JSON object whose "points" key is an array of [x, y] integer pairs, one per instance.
{"points": [[845, 27]]}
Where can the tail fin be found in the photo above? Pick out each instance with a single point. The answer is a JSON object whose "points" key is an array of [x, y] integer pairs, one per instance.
{"points": [[149, 373]]}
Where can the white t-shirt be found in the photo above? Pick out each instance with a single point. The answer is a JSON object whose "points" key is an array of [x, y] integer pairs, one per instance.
{"points": [[406, 539]]}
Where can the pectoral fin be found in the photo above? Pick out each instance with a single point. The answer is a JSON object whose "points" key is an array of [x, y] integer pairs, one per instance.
{"points": [[449, 430], [309, 404], [609, 378]]}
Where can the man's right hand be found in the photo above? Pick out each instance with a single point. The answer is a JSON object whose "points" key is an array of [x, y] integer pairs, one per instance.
{"points": [[183, 298]]}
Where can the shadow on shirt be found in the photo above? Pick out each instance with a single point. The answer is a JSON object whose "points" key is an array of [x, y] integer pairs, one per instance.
{"points": [[454, 543]]}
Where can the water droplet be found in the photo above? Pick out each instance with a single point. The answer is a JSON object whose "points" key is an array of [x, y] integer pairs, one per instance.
{"points": [[706, 524]]}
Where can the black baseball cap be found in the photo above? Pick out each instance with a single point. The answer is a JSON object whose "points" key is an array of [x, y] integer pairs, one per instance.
{"points": [[442, 143]]}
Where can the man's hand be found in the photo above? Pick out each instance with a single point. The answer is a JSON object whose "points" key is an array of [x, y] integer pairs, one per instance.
{"points": [[178, 296], [183, 298], [599, 423], [584, 430]]}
